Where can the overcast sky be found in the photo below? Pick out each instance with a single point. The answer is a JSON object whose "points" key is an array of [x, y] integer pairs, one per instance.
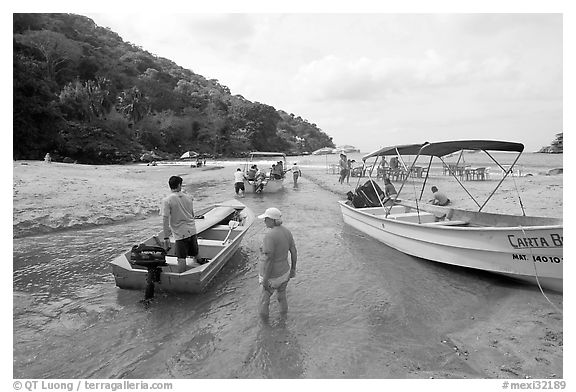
{"points": [[376, 79]]}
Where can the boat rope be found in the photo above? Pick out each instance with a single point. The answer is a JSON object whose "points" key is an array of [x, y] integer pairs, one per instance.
{"points": [[519, 198], [257, 231], [530, 248], [536, 274]]}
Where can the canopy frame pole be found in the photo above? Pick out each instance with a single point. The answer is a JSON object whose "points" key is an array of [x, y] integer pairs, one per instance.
{"points": [[409, 171], [453, 174], [426, 178], [372, 182], [502, 180]]}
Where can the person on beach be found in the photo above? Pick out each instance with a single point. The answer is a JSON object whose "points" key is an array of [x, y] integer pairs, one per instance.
{"points": [[276, 172], [349, 169], [343, 168], [275, 270], [389, 190], [251, 174], [178, 212], [440, 199], [259, 181], [47, 158], [296, 173], [239, 182]]}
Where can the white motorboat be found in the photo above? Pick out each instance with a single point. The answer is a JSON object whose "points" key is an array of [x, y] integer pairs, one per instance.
{"points": [[523, 247]]}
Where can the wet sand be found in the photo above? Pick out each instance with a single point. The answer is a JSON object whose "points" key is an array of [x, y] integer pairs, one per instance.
{"points": [[519, 336]]}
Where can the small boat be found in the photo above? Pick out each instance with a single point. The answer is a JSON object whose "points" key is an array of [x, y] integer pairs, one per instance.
{"points": [[267, 182], [523, 247], [220, 227]]}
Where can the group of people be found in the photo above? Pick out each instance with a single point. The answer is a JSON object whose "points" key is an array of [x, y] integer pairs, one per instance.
{"points": [[274, 271], [276, 268], [257, 178]]}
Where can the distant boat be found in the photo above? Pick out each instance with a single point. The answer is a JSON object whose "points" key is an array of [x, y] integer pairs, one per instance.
{"points": [[324, 151], [523, 247], [220, 233], [346, 149], [267, 183]]}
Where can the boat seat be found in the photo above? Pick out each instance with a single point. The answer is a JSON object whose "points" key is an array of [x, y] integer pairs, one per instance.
{"points": [[414, 217], [204, 242], [448, 223], [220, 227]]}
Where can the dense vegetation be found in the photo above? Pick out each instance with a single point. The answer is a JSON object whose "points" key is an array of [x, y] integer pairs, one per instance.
{"points": [[83, 93]]}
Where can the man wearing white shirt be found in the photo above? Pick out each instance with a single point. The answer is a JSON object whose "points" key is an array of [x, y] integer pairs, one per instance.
{"points": [[239, 182]]}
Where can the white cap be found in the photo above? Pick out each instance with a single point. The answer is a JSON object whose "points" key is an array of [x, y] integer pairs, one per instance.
{"points": [[272, 213]]}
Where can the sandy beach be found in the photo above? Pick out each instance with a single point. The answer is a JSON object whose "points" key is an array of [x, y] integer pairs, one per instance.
{"points": [[57, 196], [511, 338]]}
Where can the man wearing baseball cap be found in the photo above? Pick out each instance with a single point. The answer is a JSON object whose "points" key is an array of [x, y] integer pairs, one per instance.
{"points": [[275, 270]]}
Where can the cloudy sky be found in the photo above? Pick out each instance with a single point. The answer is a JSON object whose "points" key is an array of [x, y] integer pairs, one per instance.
{"points": [[375, 79]]}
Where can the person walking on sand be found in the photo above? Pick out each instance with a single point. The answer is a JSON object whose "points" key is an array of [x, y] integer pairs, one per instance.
{"points": [[178, 212], [296, 173], [349, 165], [239, 182], [275, 270], [47, 158]]}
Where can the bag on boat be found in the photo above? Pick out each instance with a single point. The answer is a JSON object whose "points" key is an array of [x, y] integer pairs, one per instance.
{"points": [[366, 196], [358, 201], [147, 252]]}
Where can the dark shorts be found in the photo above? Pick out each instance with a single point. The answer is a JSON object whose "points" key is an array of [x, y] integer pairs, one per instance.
{"points": [[445, 203], [187, 247], [238, 186]]}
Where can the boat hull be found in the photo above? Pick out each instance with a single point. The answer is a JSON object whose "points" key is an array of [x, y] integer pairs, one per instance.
{"points": [[533, 253], [217, 243]]}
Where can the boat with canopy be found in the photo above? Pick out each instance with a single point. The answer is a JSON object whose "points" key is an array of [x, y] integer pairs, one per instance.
{"points": [[523, 247]]}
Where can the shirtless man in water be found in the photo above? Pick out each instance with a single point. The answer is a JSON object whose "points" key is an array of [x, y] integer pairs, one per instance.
{"points": [[275, 270]]}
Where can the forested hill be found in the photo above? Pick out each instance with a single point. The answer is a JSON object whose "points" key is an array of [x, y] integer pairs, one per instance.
{"points": [[81, 92]]}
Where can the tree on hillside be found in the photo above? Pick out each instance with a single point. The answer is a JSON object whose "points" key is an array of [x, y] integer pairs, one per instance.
{"points": [[57, 51], [35, 114], [133, 104], [85, 101]]}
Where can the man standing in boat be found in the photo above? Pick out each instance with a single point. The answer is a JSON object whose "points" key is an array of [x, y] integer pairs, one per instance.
{"points": [[178, 212], [275, 271]]}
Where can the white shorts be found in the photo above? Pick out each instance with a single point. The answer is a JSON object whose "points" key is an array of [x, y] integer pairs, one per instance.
{"points": [[276, 282]]}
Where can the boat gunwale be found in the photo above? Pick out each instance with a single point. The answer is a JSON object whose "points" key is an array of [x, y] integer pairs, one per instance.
{"points": [[453, 227]]}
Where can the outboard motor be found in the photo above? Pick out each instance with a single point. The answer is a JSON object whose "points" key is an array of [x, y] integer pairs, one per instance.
{"points": [[152, 258]]}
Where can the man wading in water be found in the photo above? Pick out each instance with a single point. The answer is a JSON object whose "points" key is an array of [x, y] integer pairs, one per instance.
{"points": [[275, 271]]}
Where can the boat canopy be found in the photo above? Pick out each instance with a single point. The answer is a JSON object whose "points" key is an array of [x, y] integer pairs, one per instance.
{"points": [[440, 149]]}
